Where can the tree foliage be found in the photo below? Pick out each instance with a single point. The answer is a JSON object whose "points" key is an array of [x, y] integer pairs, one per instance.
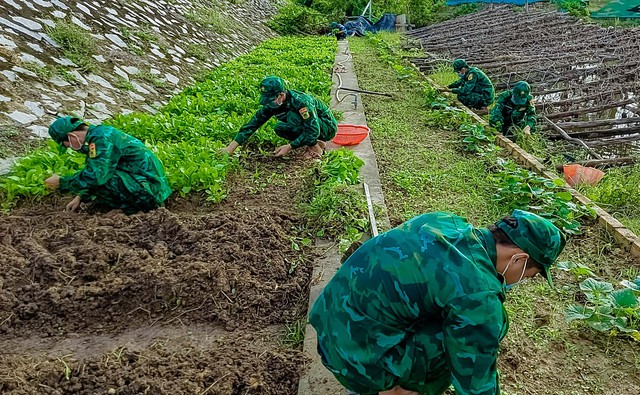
{"points": [[421, 12]]}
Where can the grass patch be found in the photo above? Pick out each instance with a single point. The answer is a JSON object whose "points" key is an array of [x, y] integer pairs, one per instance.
{"points": [[619, 194], [198, 51], [209, 17], [444, 74], [124, 84], [337, 208], [63, 73], [43, 72], [146, 34], [139, 40], [77, 44], [151, 78], [421, 166], [294, 333], [13, 142]]}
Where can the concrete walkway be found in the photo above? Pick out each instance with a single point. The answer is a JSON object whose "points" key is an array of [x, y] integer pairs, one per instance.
{"points": [[318, 380]]}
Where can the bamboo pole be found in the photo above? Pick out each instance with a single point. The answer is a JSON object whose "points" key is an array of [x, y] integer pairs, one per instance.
{"points": [[598, 123], [590, 110], [571, 139], [603, 163], [592, 134]]}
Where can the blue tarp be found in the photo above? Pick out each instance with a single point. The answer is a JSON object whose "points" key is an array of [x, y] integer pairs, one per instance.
{"points": [[362, 25], [516, 2]]}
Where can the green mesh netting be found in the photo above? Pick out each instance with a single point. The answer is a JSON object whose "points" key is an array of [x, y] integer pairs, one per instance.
{"points": [[619, 9]]}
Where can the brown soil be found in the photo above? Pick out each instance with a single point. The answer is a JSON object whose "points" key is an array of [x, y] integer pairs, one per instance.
{"points": [[73, 287], [231, 363]]}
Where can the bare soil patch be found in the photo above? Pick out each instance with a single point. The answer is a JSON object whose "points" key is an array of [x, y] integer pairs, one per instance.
{"points": [[167, 302]]}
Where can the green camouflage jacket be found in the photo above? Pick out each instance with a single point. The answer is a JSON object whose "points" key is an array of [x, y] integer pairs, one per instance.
{"points": [[475, 81], [420, 306], [505, 113], [304, 108], [110, 152]]}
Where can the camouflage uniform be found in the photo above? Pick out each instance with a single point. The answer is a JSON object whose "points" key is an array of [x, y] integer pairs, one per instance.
{"points": [[303, 119], [120, 172], [420, 307], [474, 89], [514, 107]]}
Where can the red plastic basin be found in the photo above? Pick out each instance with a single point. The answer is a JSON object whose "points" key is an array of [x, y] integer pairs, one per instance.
{"points": [[577, 174], [350, 134]]}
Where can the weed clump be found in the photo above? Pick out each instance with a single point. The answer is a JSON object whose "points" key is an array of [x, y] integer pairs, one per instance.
{"points": [[210, 18], [337, 208], [77, 44]]}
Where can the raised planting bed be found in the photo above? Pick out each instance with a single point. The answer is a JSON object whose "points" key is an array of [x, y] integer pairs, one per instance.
{"points": [[206, 296]]}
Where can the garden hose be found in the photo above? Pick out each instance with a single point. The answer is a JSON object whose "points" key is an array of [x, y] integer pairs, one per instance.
{"points": [[340, 87]]}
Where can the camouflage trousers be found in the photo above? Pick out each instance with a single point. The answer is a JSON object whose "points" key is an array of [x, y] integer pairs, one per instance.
{"points": [[123, 193], [474, 100], [292, 130], [347, 348]]}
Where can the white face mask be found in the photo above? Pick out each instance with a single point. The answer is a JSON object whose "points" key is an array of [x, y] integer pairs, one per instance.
{"points": [[276, 103], [77, 141], [524, 268]]}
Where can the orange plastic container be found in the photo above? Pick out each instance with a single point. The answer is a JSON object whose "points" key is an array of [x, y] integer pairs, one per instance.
{"points": [[350, 134], [578, 174]]}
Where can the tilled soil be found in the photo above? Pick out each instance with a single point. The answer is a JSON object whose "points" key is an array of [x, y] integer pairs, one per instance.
{"points": [[229, 269], [230, 363], [66, 273]]}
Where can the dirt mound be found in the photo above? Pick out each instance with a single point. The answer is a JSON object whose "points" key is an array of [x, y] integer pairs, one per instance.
{"points": [[64, 273], [192, 299], [229, 364]]}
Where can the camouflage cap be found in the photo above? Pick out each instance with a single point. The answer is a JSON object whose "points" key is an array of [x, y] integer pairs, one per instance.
{"points": [[520, 94], [270, 88], [61, 127], [459, 64], [536, 236]]}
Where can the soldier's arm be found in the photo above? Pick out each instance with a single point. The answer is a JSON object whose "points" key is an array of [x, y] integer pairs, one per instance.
{"points": [[99, 167], [258, 119], [530, 115], [496, 119], [472, 332], [310, 127], [456, 84], [468, 85]]}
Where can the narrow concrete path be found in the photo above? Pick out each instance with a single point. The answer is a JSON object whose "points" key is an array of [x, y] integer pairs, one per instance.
{"points": [[318, 380]]}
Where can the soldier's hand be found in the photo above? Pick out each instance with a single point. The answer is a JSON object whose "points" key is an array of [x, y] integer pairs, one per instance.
{"points": [[282, 150], [52, 182], [73, 205], [230, 149], [314, 152], [445, 89], [527, 130]]}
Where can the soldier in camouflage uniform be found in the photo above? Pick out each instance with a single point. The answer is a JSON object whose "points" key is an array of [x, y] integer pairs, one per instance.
{"points": [[474, 88], [420, 307], [303, 120], [120, 171], [514, 107]]}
